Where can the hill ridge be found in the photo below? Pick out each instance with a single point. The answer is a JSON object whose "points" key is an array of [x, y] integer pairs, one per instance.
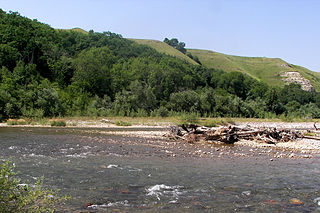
{"points": [[269, 70], [265, 69]]}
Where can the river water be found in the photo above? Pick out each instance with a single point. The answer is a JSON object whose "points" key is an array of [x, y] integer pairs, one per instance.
{"points": [[107, 173]]}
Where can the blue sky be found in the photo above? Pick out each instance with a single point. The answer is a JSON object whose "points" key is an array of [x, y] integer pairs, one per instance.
{"points": [[287, 29]]}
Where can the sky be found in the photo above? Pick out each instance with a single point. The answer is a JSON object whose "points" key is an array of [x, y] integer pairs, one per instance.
{"points": [[286, 29]]}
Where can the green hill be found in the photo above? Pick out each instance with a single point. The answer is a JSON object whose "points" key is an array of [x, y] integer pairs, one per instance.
{"points": [[265, 69], [49, 73], [268, 70], [164, 48]]}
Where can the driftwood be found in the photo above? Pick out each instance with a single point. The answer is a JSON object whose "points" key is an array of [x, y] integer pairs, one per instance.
{"points": [[311, 137], [231, 134]]}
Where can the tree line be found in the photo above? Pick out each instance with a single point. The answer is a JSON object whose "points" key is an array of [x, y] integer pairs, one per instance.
{"points": [[46, 72]]}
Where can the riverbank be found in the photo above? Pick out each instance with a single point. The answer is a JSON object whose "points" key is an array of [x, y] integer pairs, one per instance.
{"points": [[157, 128]]}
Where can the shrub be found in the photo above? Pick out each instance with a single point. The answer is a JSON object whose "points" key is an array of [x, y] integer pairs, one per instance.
{"points": [[188, 101], [213, 122], [74, 123], [122, 123], [18, 198], [12, 122], [160, 112], [58, 123], [16, 122], [33, 113], [189, 118]]}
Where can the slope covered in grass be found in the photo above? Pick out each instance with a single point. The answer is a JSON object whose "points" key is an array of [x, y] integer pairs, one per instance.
{"points": [[268, 70], [164, 48], [265, 69]]}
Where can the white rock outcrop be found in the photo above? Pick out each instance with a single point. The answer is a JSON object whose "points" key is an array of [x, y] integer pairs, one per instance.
{"points": [[296, 78]]}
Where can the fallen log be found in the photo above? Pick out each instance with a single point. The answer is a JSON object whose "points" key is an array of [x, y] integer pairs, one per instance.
{"points": [[311, 137], [231, 134]]}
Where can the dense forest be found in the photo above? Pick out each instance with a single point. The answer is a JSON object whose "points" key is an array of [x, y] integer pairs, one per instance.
{"points": [[46, 72]]}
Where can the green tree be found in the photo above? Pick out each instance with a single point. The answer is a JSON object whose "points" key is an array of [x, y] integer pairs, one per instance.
{"points": [[273, 102], [174, 42], [92, 70], [187, 101]]}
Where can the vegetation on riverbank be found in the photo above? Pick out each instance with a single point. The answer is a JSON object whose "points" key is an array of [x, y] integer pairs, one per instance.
{"points": [[18, 197], [145, 121], [46, 73]]}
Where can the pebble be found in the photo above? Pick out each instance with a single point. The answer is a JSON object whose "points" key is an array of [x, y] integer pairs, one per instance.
{"points": [[88, 204], [173, 202], [197, 203], [317, 201], [271, 159], [246, 193], [295, 201], [125, 191], [271, 202]]}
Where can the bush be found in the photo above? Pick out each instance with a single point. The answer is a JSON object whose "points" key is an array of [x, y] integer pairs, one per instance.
{"points": [[189, 118], [16, 122], [58, 123], [139, 113], [161, 112], [33, 113], [18, 198], [122, 123], [188, 101], [310, 111]]}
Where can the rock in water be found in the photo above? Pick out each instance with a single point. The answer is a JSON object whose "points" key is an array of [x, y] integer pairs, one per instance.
{"points": [[317, 201], [296, 202], [246, 193]]}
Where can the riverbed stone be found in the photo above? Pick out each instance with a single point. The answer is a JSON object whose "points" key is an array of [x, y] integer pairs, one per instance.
{"points": [[246, 193], [317, 201], [295, 201]]}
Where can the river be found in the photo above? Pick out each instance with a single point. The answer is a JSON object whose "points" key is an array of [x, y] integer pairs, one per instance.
{"points": [[108, 173]]}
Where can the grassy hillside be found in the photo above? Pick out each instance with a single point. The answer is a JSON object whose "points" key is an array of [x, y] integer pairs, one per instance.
{"points": [[164, 48], [261, 68], [77, 29]]}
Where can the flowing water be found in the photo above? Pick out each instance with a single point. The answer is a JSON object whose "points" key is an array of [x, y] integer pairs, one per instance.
{"points": [[105, 173]]}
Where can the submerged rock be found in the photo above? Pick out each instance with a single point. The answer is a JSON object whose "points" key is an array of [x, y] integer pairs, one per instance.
{"points": [[296, 202], [317, 201], [271, 202], [246, 193]]}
